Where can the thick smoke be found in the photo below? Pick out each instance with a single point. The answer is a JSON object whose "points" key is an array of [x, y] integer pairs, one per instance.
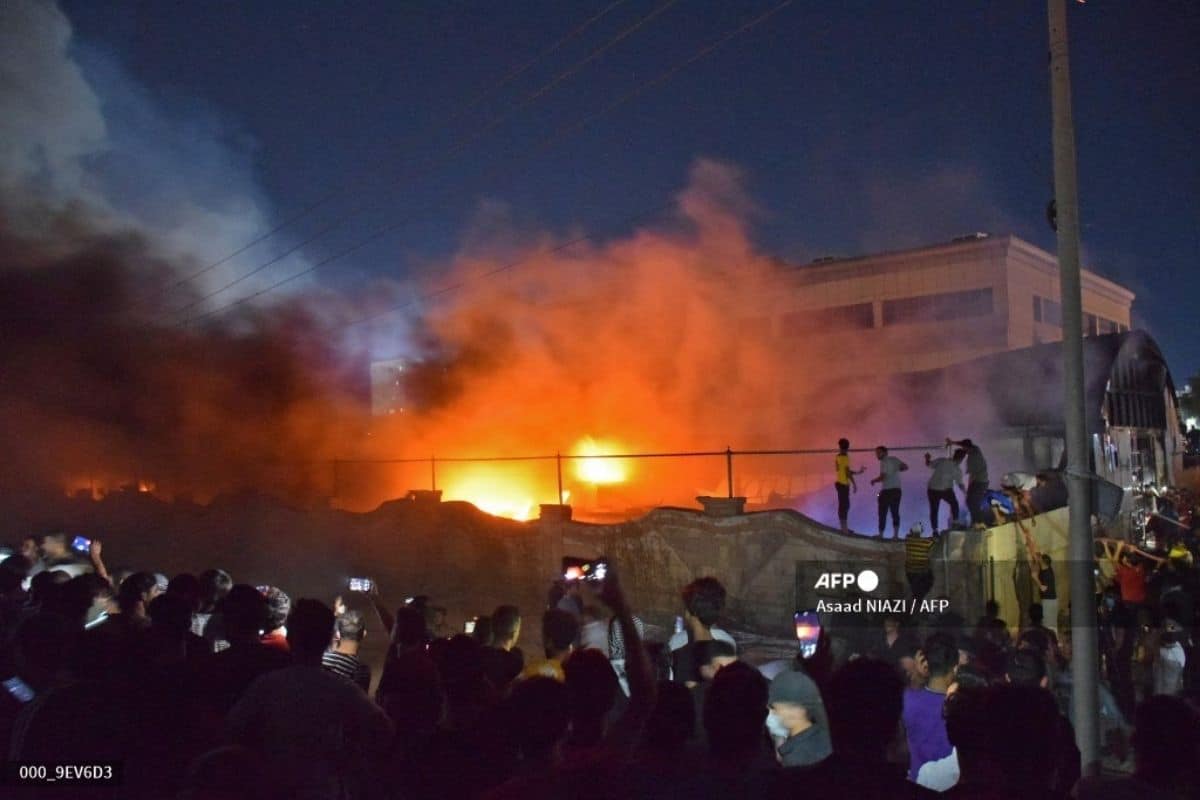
{"points": [[659, 340], [102, 210]]}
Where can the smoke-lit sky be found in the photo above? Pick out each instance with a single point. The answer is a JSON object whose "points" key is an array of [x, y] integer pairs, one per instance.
{"points": [[861, 125]]}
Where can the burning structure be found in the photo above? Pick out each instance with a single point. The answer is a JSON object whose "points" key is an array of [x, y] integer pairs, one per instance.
{"points": [[884, 315]]}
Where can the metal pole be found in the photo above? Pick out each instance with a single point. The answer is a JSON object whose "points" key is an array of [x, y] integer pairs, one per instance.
{"points": [[1084, 644], [729, 469], [433, 473], [558, 469]]}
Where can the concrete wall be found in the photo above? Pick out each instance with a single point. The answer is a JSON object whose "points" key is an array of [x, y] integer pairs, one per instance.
{"points": [[768, 561], [470, 562]]}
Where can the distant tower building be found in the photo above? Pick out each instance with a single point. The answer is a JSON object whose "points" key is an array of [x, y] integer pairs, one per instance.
{"points": [[387, 387]]}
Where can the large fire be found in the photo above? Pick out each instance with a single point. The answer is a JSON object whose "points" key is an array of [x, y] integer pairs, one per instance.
{"points": [[516, 490], [597, 470], [657, 341]]}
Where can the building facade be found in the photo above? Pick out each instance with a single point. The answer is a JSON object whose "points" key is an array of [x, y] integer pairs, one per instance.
{"points": [[926, 308]]}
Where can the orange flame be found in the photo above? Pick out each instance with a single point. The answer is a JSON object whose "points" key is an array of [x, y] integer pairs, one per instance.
{"points": [[599, 470]]}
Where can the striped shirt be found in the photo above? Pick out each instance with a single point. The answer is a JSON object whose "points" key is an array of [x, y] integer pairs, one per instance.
{"points": [[916, 554], [349, 667]]}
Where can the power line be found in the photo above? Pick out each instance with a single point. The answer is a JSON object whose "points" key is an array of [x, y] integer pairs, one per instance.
{"points": [[470, 105], [544, 144], [458, 147]]}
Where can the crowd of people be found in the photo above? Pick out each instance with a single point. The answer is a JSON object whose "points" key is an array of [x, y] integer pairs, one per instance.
{"points": [[201, 687], [983, 504]]}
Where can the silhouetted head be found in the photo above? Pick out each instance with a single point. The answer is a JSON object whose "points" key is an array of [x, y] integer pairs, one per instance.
{"points": [[735, 712], [673, 720], [1007, 735], [711, 655], [506, 626], [941, 654], [539, 710], [704, 599], [408, 628], [171, 614], [13, 571], [45, 584], [81, 600], [865, 701], [310, 629], [244, 613], [1026, 668], [591, 686], [214, 585], [559, 631], [136, 592], [185, 585]]}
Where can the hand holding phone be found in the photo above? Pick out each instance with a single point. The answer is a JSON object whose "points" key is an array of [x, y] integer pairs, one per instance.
{"points": [[361, 584], [808, 631], [581, 569], [81, 544]]}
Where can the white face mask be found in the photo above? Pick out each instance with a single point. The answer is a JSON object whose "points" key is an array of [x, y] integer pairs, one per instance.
{"points": [[776, 726]]}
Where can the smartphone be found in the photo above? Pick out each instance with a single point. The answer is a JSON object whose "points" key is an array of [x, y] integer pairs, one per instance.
{"points": [[19, 690], [679, 624], [469, 627], [81, 544], [808, 631], [581, 569], [361, 585]]}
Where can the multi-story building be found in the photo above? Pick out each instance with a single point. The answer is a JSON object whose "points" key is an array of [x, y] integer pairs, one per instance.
{"points": [[920, 309], [387, 387]]}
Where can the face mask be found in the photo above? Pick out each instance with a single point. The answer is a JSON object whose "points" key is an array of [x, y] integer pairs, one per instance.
{"points": [[1170, 638], [776, 726]]}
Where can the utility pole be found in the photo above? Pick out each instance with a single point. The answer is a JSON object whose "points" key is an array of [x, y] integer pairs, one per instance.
{"points": [[1084, 644]]}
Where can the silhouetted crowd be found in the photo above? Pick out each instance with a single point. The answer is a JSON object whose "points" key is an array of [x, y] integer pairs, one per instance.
{"points": [[202, 688]]}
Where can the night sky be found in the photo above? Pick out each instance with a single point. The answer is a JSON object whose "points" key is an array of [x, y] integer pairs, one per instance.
{"points": [[861, 126]]}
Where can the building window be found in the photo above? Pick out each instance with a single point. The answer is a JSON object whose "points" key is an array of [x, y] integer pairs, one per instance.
{"points": [[938, 307], [1089, 324], [1037, 308], [1107, 326], [1051, 312], [839, 318], [1121, 328]]}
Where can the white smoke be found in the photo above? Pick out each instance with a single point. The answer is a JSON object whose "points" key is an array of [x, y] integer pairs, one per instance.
{"points": [[81, 136]]}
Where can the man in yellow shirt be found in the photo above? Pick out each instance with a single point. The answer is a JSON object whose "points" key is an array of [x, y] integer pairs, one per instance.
{"points": [[845, 481]]}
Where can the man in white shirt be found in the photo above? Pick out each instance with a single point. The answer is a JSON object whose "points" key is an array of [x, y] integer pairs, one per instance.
{"points": [[890, 468], [946, 475]]}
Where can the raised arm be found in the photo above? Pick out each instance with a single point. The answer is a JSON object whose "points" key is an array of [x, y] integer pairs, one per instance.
{"points": [[94, 550], [386, 618], [637, 666]]}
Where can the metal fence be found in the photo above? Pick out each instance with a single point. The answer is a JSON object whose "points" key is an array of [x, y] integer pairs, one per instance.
{"points": [[729, 456]]}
